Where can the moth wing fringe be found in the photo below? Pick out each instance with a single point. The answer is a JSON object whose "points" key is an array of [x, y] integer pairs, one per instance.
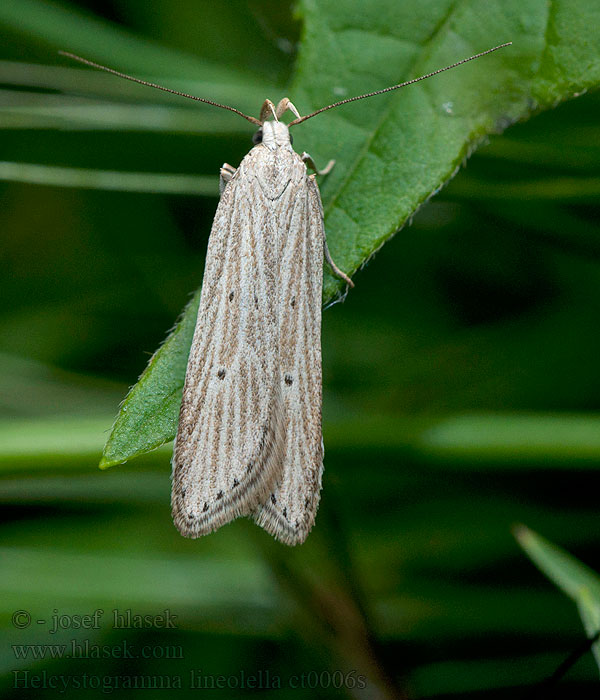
{"points": [[254, 490]]}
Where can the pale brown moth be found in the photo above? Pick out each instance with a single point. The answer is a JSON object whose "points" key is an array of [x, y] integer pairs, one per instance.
{"points": [[249, 439]]}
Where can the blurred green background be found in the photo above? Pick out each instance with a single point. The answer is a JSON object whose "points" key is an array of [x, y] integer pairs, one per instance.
{"points": [[461, 387]]}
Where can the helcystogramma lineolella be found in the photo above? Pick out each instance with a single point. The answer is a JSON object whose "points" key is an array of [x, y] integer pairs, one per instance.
{"points": [[249, 439]]}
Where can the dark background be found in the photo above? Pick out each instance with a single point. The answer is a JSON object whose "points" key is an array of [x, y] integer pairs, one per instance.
{"points": [[461, 385]]}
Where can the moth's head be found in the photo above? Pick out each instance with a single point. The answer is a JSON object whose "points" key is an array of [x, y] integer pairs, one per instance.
{"points": [[273, 135], [272, 132]]}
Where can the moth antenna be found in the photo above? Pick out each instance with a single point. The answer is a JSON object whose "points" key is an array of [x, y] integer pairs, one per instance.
{"points": [[87, 62], [400, 85]]}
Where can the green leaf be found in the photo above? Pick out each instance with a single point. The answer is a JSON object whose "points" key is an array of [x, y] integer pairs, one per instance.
{"points": [[485, 440], [151, 409], [107, 179], [143, 580], [80, 32], [575, 579], [394, 151], [41, 111]]}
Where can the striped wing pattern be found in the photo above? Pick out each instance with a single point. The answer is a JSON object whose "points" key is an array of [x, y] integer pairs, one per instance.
{"points": [[289, 511], [249, 436]]}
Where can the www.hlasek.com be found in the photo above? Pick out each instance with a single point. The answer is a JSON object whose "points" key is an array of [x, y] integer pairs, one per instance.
{"points": [[84, 649], [195, 680]]}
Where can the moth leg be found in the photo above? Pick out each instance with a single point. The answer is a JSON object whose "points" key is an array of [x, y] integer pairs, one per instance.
{"points": [[336, 270], [226, 173], [307, 158]]}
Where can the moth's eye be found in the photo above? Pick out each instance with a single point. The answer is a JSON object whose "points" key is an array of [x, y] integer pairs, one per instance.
{"points": [[291, 140], [257, 138]]}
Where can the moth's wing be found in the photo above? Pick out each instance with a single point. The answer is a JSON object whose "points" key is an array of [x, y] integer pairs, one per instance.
{"points": [[290, 509], [229, 443]]}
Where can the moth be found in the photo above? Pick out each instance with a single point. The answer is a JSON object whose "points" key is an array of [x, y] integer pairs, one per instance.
{"points": [[249, 440]]}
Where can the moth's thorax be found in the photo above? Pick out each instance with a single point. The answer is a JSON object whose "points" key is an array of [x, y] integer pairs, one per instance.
{"points": [[275, 135]]}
